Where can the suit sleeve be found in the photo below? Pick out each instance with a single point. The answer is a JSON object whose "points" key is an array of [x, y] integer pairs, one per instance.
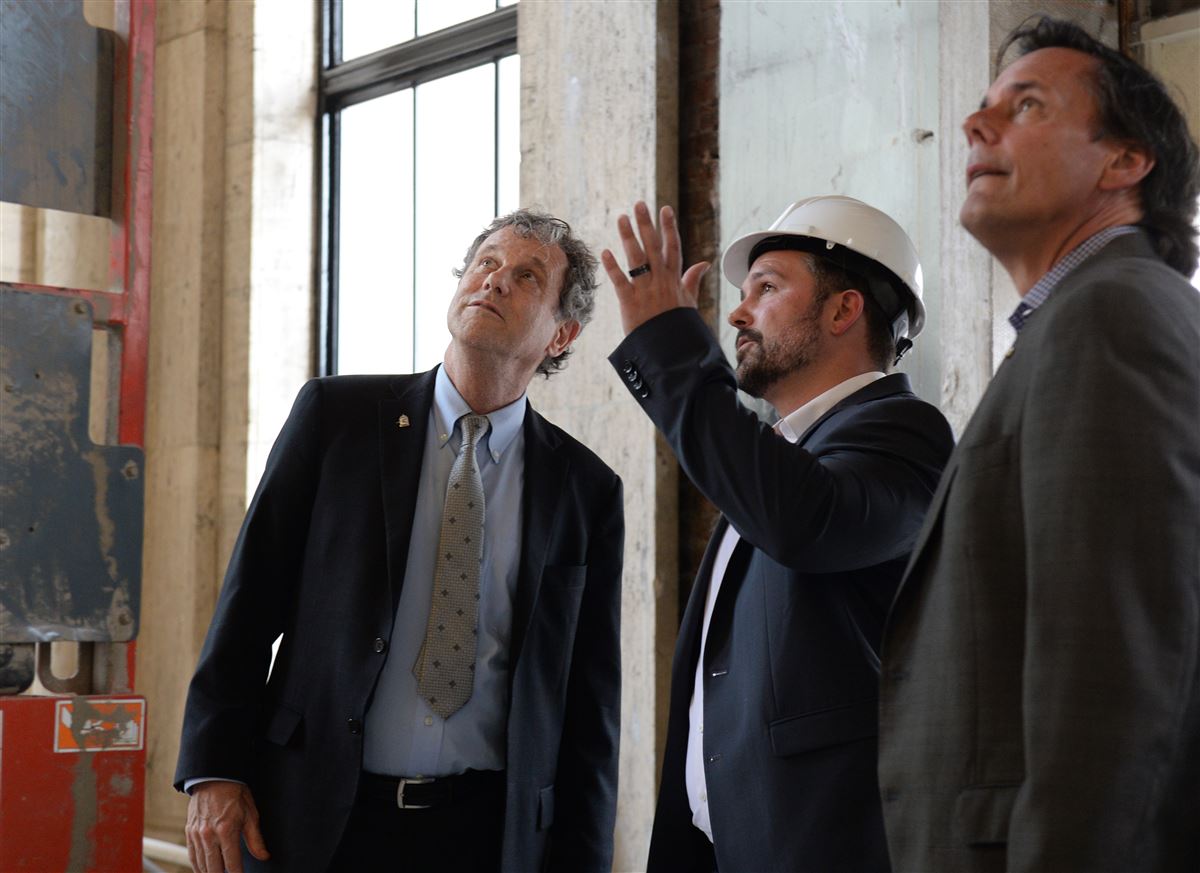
{"points": [[856, 503], [1110, 479], [586, 780], [225, 696]]}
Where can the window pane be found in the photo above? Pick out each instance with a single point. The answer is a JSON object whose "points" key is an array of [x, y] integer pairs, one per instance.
{"points": [[375, 258], [435, 14], [455, 192], [370, 25], [508, 135]]}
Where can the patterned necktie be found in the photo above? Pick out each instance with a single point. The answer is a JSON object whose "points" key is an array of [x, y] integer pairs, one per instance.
{"points": [[445, 667]]}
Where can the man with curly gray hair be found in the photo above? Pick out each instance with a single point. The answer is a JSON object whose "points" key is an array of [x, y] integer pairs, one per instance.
{"points": [[577, 298], [444, 567]]}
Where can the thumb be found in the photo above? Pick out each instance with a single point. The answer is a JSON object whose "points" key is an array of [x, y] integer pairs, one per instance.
{"points": [[253, 836], [691, 281]]}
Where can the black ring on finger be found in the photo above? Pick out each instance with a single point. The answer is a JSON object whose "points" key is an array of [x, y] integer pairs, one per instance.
{"points": [[639, 271]]}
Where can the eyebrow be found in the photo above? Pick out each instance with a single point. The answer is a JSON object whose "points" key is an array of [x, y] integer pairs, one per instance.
{"points": [[758, 274], [1014, 88]]}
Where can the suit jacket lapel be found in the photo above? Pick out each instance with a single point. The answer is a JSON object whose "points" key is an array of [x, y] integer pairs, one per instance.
{"points": [[403, 423], [545, 481], [895, 383]]}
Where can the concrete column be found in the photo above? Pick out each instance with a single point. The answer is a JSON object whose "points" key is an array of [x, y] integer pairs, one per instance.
{"points": [[231, 309], [598, 131], [183, 411]]}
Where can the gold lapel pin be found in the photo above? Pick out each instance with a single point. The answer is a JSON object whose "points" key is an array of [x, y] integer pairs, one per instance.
{"points": [[402, 421]]}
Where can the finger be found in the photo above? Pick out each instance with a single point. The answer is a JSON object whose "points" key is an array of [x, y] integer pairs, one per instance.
{"points": [[690, 286], [616, 275], [651, 241], [194, 857], [213, 862], [634, 253], [672, 256], [254, 838], [231, 848]]}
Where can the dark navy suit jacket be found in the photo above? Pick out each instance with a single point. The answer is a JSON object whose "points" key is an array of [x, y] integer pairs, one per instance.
{"points": [[791, 662], [321, 559]]}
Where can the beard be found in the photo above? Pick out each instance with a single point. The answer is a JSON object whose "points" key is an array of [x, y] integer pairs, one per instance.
{"points": [[764, 362]]}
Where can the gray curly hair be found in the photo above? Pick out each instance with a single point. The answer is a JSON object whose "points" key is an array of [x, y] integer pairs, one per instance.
{"points": [[577, 298]]}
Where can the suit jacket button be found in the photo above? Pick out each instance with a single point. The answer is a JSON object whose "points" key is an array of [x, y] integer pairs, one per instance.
{"points": [[637, 386], [379, 645], [631, 375], [354, 725], [627, 367], [644, 393]]}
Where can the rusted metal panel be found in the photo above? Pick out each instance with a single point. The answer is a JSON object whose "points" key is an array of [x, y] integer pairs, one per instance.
{"points": [[72, 777], [70, 510], [56, 120]]}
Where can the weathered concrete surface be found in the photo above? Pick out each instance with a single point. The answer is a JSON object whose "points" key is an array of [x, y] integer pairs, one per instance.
{"points": [[598, 131], [183, 451], [835, 98]]}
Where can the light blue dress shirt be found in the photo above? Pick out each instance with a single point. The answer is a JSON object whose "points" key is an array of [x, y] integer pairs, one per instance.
{"points": [[403, 736]]}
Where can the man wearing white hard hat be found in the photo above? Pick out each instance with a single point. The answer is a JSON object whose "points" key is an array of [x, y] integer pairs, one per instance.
{"points": [[770, 761]]}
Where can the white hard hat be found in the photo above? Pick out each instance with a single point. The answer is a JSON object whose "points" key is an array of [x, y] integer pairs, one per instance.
{"points": [[840, 225]]}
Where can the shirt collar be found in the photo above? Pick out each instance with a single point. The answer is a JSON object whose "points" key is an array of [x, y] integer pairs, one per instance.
{"points": [[793, 425], [449, 407], [1041, 290]]}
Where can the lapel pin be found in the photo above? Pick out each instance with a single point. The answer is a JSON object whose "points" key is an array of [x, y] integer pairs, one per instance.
{"points": [[402, 421]]}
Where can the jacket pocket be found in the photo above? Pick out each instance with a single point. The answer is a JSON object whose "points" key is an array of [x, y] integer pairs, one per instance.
{"points": [[828, 727], [545, 816], [282, 725], [982, 813]]}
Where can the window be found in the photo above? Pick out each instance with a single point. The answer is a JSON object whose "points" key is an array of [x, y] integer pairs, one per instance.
{"points": [[420, 113]]}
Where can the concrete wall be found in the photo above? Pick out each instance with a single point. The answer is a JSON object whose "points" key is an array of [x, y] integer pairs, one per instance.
{"points": [[834, 98], [598, 132]]}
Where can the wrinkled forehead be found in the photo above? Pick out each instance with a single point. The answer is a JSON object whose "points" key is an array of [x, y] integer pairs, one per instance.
{"points": [[514, 244]]}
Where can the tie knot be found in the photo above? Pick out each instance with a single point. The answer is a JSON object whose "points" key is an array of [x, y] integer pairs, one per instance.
{"points": [[473, 427]]}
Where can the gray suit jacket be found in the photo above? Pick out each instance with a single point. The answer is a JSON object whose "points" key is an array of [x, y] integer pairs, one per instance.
{"points": [[1040, 703]]}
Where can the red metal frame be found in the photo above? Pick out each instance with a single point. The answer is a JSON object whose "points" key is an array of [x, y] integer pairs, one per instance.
{"points": [[127, 309]]}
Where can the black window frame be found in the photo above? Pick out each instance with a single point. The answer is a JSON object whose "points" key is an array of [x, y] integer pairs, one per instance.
{"points": [[340, 84]]}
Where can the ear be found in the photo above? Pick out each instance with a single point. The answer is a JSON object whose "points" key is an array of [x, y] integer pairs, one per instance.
{"points": [[848, 308], [1127, 165], [564, 335]]}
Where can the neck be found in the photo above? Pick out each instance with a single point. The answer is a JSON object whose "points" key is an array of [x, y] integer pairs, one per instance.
{"points": [[1029, 259], [486, 382], [802, 385]]}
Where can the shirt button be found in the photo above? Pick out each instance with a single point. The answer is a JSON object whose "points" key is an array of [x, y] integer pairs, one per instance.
{"points": [[354, 725], [701, 729], [379, 645], [428, 721], [703, 797]]}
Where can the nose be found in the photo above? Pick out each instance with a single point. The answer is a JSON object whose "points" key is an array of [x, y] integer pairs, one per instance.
{"points": [[740, 316], [497, 280], [979, 128]]}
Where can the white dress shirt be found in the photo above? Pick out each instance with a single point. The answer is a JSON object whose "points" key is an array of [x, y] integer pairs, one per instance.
{"points": [[791, 428]]}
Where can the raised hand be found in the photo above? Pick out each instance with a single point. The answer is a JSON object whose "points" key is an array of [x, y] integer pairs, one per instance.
{"points": [[653, 284]]}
